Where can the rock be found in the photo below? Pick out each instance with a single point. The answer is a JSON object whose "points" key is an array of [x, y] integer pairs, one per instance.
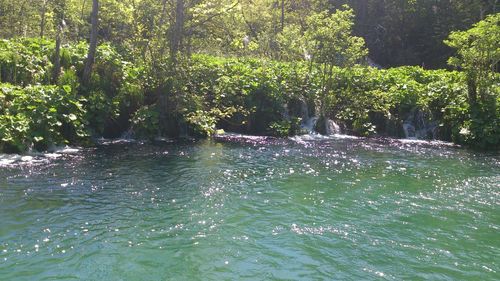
{"points": [[332, 128]]}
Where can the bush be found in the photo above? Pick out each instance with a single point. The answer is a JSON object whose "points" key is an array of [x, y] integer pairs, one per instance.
{"points": [[25, 61], [40, 116], [145, 122]]}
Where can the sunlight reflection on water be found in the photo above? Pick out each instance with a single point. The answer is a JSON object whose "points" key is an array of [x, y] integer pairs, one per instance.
{"points": [[252, 207]]}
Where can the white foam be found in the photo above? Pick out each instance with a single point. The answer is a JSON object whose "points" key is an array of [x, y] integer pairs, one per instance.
{"points": [[68, 150], [6, 160], [103, 141], [14, 159], [431, 142], [33, 157], [312, 137]]}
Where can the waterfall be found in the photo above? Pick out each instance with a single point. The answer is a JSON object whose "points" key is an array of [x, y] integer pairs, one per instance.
{"points": [[285, 112], [128, 135], [418, 126], [409, 129], [183, 130], [310, 124], [332, 128], [304, 110]]}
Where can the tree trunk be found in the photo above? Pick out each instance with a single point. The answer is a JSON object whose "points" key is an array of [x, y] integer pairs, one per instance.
{"points": [[282, 15], [178, 30], [89, 62], [59, 9], [161, 30], [43, 16], [22, 29], [175, 43], [161, 94], [57, 56], [472, 91], [79, 30]]}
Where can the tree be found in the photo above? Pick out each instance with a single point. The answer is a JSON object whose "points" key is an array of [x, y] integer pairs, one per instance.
{"points": [[331, 41], [89, 62], [177, 33], [331, 44], [43, 15], [478, 54], [59, 11]]}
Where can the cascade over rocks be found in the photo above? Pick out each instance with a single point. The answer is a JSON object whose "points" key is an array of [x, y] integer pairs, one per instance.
{"points": [[332, 128], [326, 126], [420, 125]]}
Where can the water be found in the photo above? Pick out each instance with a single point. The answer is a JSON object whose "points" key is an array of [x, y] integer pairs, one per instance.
{"points": [[419, 126], [253, 209]]}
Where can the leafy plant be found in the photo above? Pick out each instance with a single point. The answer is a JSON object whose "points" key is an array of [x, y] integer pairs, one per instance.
{"points": [[40, 116]]}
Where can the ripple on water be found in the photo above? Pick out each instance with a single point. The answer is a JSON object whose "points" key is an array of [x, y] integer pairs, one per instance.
{"points": [[252, 207]]}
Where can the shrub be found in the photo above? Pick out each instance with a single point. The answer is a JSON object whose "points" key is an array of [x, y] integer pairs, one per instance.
{"points": [[40, 116]]}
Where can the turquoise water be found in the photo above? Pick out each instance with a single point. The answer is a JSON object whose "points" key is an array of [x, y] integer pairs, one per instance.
{"points": [[253, 209]]}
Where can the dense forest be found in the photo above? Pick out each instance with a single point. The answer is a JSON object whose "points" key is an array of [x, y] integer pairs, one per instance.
{"points": [[75, 70]]}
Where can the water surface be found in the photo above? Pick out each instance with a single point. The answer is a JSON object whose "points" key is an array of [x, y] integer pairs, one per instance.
{"points": [[253, 209]]}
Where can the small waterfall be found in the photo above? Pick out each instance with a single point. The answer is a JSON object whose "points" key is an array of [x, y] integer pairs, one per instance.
{"points": [[418, 126], [409, 129], [332, 128], [314, 125], [304, 111], [325, 127], [128, 135], [310, 124], [183, 130], [285, 112]]}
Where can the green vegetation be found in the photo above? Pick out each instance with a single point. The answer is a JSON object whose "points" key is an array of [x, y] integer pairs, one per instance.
{"points": [[478, 55], [39, 116], [180, 68], [243, 95]]}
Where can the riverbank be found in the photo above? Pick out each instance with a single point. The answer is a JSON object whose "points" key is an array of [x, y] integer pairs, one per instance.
{"points": [[243, 95], [35, 158]]}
